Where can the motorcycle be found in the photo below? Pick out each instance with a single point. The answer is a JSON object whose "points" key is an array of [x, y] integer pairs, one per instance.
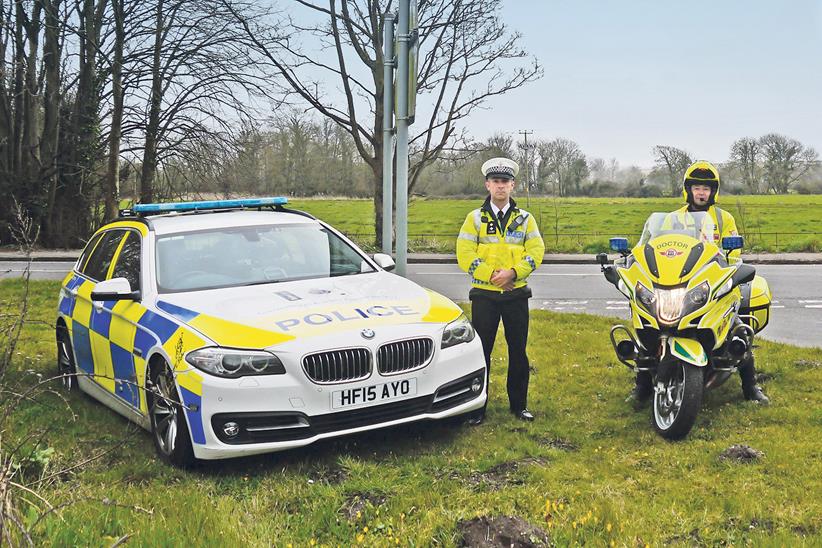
{"points": [[694, 312]]}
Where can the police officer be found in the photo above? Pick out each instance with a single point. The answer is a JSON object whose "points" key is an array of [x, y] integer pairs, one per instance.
{"points": [[700, 188], [499, 246]]}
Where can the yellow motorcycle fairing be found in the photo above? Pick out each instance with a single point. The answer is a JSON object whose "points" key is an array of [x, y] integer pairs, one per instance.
{"points": [[677, 260], [688, 350]]}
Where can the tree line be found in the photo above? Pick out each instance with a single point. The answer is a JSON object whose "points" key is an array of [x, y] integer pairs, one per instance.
{"points": [[154, 99]]}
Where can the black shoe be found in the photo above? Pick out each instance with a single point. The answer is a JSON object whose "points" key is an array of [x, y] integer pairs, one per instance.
{"points": [[755, 393], [524, 415], [476, 420], [640, 394]]}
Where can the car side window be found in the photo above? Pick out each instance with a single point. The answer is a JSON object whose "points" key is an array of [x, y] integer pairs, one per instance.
{"points": [[128, 261], [81, 262], [98, 264]]}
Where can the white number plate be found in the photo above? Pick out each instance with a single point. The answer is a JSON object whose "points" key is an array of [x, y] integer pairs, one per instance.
{"points": [[377, 393]]}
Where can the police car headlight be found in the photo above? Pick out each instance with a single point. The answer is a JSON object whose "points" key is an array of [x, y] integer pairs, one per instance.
{"points": [[225, 362], [458, 331]]}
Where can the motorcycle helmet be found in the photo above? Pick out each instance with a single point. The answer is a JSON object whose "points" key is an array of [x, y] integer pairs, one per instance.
{"points": [[701, 173]]}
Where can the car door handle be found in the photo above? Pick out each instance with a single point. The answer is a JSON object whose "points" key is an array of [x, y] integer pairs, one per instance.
{"points": [[98, 306], [72, 292]]}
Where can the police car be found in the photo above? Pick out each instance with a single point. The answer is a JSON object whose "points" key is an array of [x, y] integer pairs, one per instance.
{"points": [[238, 327]]}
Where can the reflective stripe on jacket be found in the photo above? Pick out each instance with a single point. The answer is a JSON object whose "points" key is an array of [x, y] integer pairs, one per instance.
{"points": [[724, 225], [483, 248]]}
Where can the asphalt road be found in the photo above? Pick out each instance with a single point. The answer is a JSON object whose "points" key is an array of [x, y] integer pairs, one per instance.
{"points": [[796, 312]]}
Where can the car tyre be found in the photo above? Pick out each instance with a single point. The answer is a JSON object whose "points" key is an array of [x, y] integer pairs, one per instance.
{"points": [[66, 368], [169, 427]]}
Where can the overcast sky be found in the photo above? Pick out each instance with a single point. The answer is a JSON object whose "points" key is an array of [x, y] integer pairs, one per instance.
{"points": [[623, 76]]}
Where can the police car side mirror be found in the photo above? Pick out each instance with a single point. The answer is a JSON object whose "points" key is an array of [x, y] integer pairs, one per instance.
{"points": [[115, 289], [384, 261]]}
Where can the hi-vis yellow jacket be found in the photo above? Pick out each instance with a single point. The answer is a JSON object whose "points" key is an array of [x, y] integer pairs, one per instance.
{"points": [[724, 225], [483, 246]]}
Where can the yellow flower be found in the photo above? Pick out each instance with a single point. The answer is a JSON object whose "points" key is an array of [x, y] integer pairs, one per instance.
{"points": [[312, 542], [365, 529], [360, 537], [608, 527], [574, 525], [561, 506], [359, 514]]}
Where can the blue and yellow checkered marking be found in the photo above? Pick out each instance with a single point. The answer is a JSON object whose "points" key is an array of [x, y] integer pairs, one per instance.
{"points": [[182, 314], [162, 327], [124, 372]]}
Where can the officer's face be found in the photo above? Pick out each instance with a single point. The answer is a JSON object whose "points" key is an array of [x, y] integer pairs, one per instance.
{"points": [[500, 189], [702, 193]]}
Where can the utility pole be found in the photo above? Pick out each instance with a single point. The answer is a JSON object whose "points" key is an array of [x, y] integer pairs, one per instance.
{"points": [[403, 38], [525, 133], [388, 136]]}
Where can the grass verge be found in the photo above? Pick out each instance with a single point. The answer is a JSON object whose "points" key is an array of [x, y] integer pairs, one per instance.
{"points": [[589, 470]]}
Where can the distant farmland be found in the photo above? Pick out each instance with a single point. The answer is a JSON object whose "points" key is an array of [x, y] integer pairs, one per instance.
{"points": [[583, 225]]}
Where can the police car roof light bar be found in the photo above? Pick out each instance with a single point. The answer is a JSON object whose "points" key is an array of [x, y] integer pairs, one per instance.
{"points": [[209, 204]]}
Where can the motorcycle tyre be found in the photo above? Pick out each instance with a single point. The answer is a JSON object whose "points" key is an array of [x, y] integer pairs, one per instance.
{"points": [[691, 402]]}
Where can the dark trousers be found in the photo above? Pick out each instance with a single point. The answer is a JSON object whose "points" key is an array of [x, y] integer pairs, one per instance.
{"points": [[485, 316]]}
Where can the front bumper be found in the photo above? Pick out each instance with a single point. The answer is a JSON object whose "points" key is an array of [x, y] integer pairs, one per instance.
{"points": [[276, 413]]}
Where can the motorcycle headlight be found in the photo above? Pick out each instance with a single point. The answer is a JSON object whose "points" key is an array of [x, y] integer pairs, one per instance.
{"points": [[646, 298], [458, 331], [696, 298], [669, 304], [226, 362]]}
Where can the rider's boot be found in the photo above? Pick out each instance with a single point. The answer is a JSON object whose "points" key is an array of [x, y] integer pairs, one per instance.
{"points": [[643, 388], [751, 391]]}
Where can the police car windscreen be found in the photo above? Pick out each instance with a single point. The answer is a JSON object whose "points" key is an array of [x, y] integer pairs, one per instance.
{"points": [[237, 256]]}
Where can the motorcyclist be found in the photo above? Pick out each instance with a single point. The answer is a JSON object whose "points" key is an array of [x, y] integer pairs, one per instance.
{"points": [[700, 188]]}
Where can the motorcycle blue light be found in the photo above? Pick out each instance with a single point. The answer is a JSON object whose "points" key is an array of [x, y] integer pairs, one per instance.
{"points": [[729, 243], [210, 204], [618, 244]]}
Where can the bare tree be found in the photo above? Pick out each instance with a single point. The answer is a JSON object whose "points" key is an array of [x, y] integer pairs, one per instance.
{"points": [[746, 160], [785, 161], [467, 56], [562, 166], [672, 162]]}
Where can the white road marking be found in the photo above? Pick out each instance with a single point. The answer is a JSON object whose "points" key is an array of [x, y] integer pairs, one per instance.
{"points": [[616, 308], [813, 306], [808, 301], [777, 306], [617, 302]]}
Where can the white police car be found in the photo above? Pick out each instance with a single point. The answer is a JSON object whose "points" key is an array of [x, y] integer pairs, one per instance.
{"points": [[237, 327]]}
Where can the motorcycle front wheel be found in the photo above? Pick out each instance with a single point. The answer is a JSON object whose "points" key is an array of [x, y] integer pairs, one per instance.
{"points": [[677, 402]]}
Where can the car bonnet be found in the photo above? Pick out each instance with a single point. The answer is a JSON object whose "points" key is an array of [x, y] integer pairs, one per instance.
{"points": [[261, 316]]}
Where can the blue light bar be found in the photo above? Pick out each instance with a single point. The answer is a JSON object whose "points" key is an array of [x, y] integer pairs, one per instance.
{"points": [[210, 204], [729, 243], [618, 244]]}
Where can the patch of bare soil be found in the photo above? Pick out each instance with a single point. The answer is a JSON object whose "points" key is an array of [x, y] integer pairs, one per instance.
{"points": [[356, 502], [502, 474], [331, 475], [741, 453], [558, 443], [807, 364], [507, 531]]}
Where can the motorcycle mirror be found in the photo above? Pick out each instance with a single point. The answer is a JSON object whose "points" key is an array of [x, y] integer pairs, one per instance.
{"points": [[619, 244], [602, 258], [730, 243]]}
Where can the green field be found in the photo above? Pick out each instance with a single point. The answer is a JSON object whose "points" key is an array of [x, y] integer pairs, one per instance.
{"points": [[790, 223], [589, 470]]}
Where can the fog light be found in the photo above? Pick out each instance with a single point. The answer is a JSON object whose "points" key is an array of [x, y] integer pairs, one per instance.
{"points": [[626, 350], [231, 429], [476, 385]]}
